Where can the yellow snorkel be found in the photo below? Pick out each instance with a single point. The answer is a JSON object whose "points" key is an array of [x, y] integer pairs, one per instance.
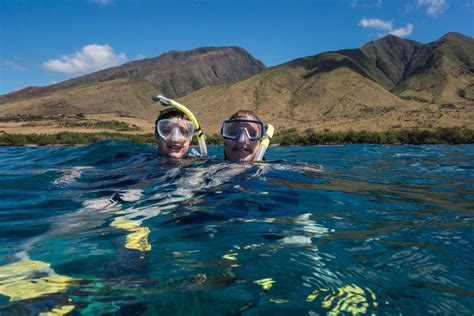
{"points": [[264, 142], [197, 129]]}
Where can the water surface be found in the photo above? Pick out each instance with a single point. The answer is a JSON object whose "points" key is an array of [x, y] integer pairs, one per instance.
{"points": [[113, 229]]}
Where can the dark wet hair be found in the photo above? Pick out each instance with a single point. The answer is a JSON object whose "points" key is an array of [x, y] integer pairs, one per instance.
{"points": [[167, 114], [243, 114], [170, 113]]}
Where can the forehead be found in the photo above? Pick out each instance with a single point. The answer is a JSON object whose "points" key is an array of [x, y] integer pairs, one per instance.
{"points": [[245, 117], [245, 124], [176, 121]]}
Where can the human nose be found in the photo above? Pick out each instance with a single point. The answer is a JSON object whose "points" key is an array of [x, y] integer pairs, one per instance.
{"points": [[242, 137], [176, 135]]}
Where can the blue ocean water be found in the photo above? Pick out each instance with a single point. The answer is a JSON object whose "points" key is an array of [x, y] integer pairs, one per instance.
{"points": [[111, 228]]}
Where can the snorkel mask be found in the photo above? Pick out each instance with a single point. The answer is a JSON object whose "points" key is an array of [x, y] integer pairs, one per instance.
{"points": [[254, 130], [233, 129], [175, 129], [196, 128]]}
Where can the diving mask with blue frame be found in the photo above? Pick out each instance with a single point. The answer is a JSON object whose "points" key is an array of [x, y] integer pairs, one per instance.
{"points": [[232, 129], [175, 129]]}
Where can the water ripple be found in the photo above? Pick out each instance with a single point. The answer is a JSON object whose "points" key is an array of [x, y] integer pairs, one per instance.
{"points": [[112, 228]]}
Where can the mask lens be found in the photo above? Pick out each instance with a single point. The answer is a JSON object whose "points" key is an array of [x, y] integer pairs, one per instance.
{"points": [[184, 132], [168, 127], [232, 129], [253, 130]]}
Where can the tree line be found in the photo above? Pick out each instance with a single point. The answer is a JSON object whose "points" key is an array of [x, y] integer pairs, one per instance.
{"points": [[447, 135]]}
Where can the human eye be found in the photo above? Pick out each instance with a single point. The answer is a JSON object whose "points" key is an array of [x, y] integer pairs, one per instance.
{"points": [[184, 131], [167, 129], [233, 129], [252, 132]]}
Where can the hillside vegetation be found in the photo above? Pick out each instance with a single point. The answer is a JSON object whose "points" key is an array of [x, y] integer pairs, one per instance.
{"points": [[387, 84]]}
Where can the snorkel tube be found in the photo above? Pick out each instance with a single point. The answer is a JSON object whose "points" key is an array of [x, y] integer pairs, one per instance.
{"points": [[197, 129], [264, 143]]}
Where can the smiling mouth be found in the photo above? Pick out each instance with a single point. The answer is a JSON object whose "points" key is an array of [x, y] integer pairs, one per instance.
{"points": [[239, 149], [175, 148]]}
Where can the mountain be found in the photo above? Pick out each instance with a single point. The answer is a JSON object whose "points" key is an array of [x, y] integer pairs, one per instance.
{"points": [[406, 68], [174, 74], [387, 83], [441, 71], [391, 56]]}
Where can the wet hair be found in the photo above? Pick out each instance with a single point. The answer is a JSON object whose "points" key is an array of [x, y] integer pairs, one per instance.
{"points": [[167, 114], [170, 113], [244, 114]]}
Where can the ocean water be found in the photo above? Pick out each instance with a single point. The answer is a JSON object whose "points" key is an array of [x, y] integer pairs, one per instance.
{"points": [[112, 229]]}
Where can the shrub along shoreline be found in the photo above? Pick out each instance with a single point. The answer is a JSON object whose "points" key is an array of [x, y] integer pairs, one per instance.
{"points": [[448, 135]]}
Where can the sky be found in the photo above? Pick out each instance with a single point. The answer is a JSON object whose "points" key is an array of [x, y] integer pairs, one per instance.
{"points": [[43, 42]]}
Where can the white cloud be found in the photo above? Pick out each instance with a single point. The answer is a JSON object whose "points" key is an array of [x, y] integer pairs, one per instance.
{"points": [[91, 58], [403, 31], [386, 26], [434, 7], [141, 56], [376, 23], [13, 65]]}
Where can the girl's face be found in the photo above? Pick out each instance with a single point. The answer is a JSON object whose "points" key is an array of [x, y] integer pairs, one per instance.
{"points": [[174, 137]]}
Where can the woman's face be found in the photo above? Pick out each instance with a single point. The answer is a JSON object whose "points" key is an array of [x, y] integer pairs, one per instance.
{"points": [[177, 142], [242, 149]]}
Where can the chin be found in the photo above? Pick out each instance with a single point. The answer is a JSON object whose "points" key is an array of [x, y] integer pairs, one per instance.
{"points": [[176, 155], [248, 157]]}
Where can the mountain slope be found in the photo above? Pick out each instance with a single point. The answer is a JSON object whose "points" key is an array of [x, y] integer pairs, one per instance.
{"points": [[340, 99], [392, 56], [388, 83], [175, 73], [441, 71]]}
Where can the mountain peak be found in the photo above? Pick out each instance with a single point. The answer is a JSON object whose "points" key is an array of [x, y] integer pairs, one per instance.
{"points": [[391, 55], [390, 40], [173, 55], [454, 35], [391, 37]]}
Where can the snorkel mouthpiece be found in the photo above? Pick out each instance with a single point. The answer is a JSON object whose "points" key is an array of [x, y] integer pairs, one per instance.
{"points": [[197, 130], [264, 143]]}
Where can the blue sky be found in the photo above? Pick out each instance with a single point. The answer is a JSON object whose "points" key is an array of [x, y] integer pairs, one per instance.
{"points": [[48, 41]]}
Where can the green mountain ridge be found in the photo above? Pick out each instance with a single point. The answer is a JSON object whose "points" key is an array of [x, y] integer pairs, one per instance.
{"points": [[397, 64]]}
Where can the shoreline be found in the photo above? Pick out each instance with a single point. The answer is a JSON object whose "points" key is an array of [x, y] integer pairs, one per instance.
{"points": [[448, 135]]}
